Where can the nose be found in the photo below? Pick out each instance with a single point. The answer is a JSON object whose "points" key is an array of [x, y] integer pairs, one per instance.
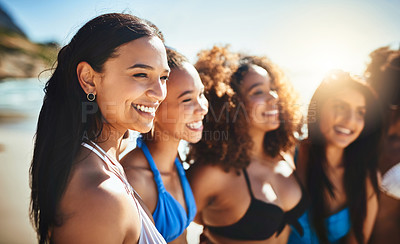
{"points": [[351, 117], [157, 90], [272, 97], [202, 107]]}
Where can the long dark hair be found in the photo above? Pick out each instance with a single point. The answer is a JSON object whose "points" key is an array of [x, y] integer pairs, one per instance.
{"points": [[360, 157], [67, 117]]}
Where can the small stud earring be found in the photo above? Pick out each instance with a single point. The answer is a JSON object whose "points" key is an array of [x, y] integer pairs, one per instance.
{"points": [[90, 97]]}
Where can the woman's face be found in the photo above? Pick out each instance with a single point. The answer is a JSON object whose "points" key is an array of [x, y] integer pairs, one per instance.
{"points": [[261, 100], [182, 112], [342, 118], [133, 84]]}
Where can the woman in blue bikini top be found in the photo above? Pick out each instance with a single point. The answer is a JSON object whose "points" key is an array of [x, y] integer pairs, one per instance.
{"points": [[338, 162], [154, 168]]}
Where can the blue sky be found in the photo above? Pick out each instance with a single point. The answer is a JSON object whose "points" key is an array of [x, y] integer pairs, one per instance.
{"points": [[305, 37]]}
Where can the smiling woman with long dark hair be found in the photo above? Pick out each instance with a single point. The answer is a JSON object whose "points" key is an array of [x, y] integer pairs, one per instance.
{"points": [[338, 162], [108, 79]]}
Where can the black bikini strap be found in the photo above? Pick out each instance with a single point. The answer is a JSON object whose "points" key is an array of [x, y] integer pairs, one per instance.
{"points": [[248, 182]]}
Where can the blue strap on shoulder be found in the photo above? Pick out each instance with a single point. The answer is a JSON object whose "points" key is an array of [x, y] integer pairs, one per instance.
{"points": [[170, 216]]}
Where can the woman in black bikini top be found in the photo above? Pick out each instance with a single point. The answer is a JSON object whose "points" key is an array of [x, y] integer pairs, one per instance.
{"points": [[242, 175]]}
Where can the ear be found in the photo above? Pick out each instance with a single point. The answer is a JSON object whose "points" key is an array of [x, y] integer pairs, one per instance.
{"points": [[86, 76]]}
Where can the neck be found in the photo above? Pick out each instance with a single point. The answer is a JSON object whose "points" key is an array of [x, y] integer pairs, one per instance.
{"points": [[164, 150], [334, 156], [257, 152], [110, 141]]}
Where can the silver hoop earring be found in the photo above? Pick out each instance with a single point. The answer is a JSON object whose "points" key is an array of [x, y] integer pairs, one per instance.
{"points": [[90, 97]]}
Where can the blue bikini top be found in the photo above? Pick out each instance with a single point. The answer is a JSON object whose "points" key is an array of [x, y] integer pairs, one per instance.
{"points": [[169, 216], [338, 226]]}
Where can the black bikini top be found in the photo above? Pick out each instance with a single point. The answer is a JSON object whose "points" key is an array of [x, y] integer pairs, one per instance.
{"points": [[262, 219]]}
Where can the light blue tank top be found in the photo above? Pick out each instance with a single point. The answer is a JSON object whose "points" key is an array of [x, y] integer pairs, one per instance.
{"points": [[169, 216], [337, 225]]}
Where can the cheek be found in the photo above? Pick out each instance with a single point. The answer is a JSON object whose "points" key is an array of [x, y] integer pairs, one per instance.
{"points": [[360, 126], [326, 122], [186, 112], [254, 107]]}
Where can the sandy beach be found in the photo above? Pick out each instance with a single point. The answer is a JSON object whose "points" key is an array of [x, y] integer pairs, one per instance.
{"points": [[15, 154]]}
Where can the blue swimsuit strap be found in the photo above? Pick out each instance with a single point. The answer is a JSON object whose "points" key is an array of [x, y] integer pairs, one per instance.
{"points": [[147, 154], [187, 192]]}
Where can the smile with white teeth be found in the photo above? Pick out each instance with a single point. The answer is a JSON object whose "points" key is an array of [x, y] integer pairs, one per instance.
{"points": [[271, 112], [150, 110], [343, 130], [195, 125]]}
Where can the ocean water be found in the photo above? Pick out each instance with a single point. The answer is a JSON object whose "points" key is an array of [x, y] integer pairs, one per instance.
{"points": [[20, 103]]}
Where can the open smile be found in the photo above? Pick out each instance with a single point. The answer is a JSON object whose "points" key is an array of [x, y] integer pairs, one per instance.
{"points": [[271, 113], [197, 125], [343, 130], [145, 110]]}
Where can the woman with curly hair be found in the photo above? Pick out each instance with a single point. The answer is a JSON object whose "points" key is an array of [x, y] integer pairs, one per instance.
{"points": [[337, 163], [242, 172]]}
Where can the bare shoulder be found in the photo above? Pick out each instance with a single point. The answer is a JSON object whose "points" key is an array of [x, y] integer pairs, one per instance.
{"points": [[137, 168], [370, 191], [209, 179], [207, 172], [134, 159], [141, 177], [96, 207]]}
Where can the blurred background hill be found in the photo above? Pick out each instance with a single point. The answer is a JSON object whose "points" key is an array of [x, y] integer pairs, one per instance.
{"points": [[20, 57]]}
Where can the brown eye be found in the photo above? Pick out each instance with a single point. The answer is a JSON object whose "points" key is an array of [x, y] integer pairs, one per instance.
{"points": [[361, 113]]}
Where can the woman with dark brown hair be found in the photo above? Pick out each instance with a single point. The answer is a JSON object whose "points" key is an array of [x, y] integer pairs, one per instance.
{"points": [[111, 77], [242, 172], [337, 163], [383, 74]]}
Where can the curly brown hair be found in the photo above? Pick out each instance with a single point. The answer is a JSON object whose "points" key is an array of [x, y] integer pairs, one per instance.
{"points": [[225, 139]]}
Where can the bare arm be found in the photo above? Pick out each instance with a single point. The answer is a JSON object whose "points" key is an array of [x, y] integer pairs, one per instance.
{"points": [[372, 211]]}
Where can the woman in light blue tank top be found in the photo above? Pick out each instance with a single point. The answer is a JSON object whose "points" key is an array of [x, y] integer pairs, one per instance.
{"points": [[154, 168], [338, 162]]}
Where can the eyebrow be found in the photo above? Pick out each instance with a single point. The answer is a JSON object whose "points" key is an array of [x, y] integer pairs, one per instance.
{"points": [[145, 66], [254, 85], [344, 102], [185, 93]]}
